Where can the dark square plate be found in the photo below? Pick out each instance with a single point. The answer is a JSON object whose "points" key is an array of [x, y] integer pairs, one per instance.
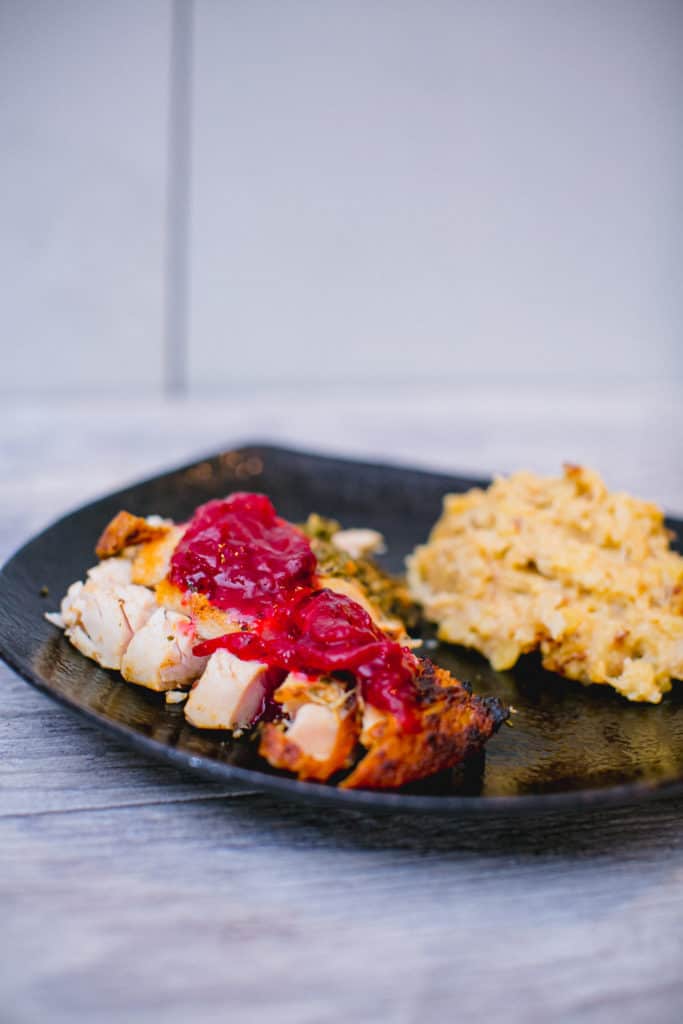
{"points": [[568, 745]]}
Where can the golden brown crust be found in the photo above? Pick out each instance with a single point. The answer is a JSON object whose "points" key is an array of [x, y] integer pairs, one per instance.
{"points": [[281, 752], [453, 725], [209, 621], [152, 559], [126, 530]]}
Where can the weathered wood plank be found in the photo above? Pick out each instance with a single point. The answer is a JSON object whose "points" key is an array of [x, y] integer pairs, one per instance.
{"points": [[188, 910]]}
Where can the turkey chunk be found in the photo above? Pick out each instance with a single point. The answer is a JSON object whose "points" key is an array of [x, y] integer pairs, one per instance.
{"points": [[152, 560], [229, 695], [160, 654], [359, 543], [127, 531], [314, 730], [322, 733], [111, 570], [101, 617]]}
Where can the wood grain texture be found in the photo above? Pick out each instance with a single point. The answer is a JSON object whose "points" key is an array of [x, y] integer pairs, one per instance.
{"points": [[132, 893]]}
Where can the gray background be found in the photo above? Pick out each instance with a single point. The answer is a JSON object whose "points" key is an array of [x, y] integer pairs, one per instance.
{"points": [[217, 195]]}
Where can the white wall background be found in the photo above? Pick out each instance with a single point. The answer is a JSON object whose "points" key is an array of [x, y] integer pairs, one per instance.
{"points": [[374, 192], [83, 129]]}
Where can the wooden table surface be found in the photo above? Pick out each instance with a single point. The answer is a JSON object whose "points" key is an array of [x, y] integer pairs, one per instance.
{"points": [[129, 892]]}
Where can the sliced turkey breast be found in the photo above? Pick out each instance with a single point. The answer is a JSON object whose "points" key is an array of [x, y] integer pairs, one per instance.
{"points": [[160, 654], [322, 731], [101, 616], [229, 694]]}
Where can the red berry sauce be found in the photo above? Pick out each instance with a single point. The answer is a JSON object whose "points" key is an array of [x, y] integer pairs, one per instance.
{"points": [[249, 561], [242, 556]]}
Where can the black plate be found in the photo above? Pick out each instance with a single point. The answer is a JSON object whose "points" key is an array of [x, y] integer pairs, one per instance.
{"points": [[568, 745]]}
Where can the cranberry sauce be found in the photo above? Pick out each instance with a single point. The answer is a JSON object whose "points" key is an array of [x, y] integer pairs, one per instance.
{"points": [[247, 560], [321, 631], [242, 556]]}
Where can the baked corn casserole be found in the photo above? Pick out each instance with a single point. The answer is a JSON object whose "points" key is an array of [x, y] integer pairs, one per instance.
{"points": [[585, 575]]}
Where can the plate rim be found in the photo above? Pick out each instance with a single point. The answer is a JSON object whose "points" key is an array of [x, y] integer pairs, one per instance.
{"points": [[378, 801]]}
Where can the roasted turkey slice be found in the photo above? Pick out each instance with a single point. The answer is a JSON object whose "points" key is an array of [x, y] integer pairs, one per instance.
{"points": [[209, 621], [229, 694], [129, 615], [126, 531], [453, 724], [160, 654], [102, 615], [321, 729]]}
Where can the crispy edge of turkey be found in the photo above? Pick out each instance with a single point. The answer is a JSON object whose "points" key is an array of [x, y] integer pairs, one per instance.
{"points": [[152, 560], [210, 622], [284, 752], [453, 725], [126, 530]]}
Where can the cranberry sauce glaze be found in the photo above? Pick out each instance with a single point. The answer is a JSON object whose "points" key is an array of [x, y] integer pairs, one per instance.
{"points": [[249, 561]]}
